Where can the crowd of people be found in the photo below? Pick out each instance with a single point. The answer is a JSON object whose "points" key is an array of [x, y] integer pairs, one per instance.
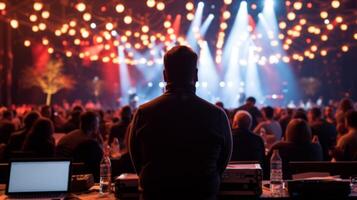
{"points": [[180, 126], [326, 133]]}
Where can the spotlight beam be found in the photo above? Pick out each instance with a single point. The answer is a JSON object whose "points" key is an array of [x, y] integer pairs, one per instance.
{"points": [[194, 27], [124, 77], [206, 24]]}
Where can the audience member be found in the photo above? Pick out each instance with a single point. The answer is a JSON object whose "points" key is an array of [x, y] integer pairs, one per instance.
{"points": [[247, 146], [179, 143], [119, 129], [344, 107], [300, 113], [269, 129], [88, 130], [73, 122], [329, 115], [46, 112], [285, 119], [250, 107], [325, 131], [17, 139], [40, 142], [298, 145], [346, 148], [16, 120], [6, 126]]}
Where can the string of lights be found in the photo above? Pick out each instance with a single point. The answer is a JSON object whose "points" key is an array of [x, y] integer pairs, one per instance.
{"points": [[74, 28]]}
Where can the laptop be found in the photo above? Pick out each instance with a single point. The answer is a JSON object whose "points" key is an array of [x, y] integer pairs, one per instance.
{"points": [[38, 179]]}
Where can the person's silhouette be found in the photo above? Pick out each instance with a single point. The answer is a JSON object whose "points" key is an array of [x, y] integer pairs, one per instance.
{"points": [[179, 143]]}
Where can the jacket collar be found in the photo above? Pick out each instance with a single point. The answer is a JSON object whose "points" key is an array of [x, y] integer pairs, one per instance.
{"points": [[180, 88]]}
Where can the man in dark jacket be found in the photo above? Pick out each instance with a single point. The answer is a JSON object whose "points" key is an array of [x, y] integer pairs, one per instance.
{"points": [[325, 131], [247, 146], [179, 143]]}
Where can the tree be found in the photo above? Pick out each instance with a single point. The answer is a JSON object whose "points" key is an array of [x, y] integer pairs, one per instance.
{"points": [[50, 80]]}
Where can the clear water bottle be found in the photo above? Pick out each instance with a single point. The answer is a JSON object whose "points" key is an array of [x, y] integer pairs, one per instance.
{"points": [[105, 173], [276, 174]]}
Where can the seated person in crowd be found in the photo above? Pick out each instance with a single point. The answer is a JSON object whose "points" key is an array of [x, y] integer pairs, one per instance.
{"points": [[269, 129], [329, 115], [74, 120], [40, 142], [325, 131], [84, 144], [17, 139], [88, 130], [119, 129], [346, 148], [250, 107], [285, 118], [6, 126], [300, 113], [298, 145], [247, 146], [344, 107]]}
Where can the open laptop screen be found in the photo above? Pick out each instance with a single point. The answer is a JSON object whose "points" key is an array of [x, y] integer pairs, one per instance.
{"points": [[38, 176]]}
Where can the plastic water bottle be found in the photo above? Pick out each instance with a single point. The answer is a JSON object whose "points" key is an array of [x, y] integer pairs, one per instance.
{"points": [[276, 174], [105, 173]]}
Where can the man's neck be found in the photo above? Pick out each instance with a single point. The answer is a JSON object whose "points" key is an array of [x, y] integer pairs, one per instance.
{"points": [[180, 87]]}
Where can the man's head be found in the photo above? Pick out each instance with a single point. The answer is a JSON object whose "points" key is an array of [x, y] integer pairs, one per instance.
{"points": [[78, 109], [328, 111], [30, 119], [250, 101], [125, 113], [180, 66], [314, 114], [242, 119], [351, 119], [46, 111], [7, 114], [268, 112], [89, 122]]}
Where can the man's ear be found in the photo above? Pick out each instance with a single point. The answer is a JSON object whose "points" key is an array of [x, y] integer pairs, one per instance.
{"points": [[165, 76]]}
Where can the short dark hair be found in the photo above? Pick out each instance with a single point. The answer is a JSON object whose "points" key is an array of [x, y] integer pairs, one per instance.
{"points": [[7, 114], [269, 112], [251, 99], [346, 104], [300, 114], [88, 120], [125, 112], [298, 131], [78, 109], [180, 64], [30, 118], [316, 112], [351, 119]]}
